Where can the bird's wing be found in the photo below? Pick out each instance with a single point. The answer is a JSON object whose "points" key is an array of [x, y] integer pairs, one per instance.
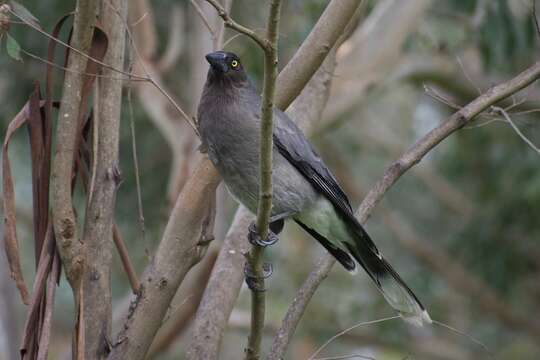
{"points": [[293, 145]]}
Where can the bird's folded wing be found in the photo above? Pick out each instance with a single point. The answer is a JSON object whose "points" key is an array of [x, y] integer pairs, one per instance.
{"points": [[293, 145]]}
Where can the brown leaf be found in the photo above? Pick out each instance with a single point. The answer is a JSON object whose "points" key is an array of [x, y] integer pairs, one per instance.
{"points": [[32, 326], [40, 155], [11, 243]]}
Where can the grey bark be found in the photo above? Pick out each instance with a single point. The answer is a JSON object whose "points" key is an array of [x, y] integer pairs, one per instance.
{"points": [[178, 251], [97, 234]]}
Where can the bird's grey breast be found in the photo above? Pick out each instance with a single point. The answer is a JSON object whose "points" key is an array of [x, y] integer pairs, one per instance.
{"points": [[230, 132]]}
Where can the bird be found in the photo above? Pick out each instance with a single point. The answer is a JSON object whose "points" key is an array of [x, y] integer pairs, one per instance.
{"points": [[304, 189]]}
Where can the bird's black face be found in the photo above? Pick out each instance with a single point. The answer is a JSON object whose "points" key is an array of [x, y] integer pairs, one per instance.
{"points": [[225, 65]]}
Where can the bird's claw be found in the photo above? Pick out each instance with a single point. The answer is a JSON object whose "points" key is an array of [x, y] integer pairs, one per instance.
{"points": [[255, 239], [253, 281]]}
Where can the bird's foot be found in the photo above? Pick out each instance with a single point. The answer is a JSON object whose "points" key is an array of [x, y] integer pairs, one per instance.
{"points": [[253, 281], [255, 239]]}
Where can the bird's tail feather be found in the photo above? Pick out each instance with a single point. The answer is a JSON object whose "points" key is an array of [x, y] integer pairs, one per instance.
{"points": [[387, 280]]}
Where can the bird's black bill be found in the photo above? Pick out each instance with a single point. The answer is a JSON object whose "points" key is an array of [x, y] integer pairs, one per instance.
{"points": [[217, 61]]}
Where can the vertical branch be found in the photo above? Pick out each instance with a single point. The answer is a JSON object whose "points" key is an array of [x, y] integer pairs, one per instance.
{"points": [[65, 225], [98, 234], [255, 257]]}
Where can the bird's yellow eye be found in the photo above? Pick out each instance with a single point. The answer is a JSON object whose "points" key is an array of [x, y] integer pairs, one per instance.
{"points": [[234, 63]]}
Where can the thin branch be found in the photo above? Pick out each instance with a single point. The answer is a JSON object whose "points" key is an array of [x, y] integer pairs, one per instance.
{"points": [[105, 178], [126, 262], [350, 356], [407, 160], [70, 247], [516, 129], [230, 23], [466, 73], [365, 323], [255, 257], [136, 165]]}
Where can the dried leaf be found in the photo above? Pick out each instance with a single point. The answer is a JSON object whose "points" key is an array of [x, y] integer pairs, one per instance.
{"points": [[39, 131], [13, 48], [32, 327], [24, 13], [11, 243]]}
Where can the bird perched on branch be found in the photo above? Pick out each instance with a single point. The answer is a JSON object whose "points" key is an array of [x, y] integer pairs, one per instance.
{"points": [[304, 189]]}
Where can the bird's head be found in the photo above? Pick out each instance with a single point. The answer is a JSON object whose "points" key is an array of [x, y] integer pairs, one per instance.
{"points": [[225, 67]]}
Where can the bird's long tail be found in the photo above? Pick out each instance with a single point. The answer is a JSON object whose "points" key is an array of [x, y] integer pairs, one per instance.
{"points": [[363, 250], [388, 281]]}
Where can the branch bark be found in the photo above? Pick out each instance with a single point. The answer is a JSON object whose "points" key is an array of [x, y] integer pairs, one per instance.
{"points": [[181, 247], [255, 256], [70, 247], [311, 54], [407, 160], [97, 235], [65, 226]]}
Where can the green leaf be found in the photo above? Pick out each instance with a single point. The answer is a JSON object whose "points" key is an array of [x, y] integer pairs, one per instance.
{"points": [[13, 48], [24, 13]]}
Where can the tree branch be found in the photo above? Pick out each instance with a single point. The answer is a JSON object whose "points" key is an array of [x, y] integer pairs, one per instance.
{"points": [[70, 247], [313, 50], [181, 247], [97, 234], [255, 256], [230, 23], [407, 160]]}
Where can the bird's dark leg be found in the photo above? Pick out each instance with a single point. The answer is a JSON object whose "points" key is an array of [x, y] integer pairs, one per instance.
{"points": [[255, 239], [276, 225], [252, 280]]}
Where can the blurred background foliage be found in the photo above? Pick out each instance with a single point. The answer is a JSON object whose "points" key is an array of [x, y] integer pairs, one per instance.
{"points": [[476, 197]]}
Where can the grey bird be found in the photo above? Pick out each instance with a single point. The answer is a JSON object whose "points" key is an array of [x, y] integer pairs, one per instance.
{"points": [[304, 189]]}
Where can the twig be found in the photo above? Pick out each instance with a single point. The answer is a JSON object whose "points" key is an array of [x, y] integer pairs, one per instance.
{"points": [[126, 262], [255, 257], [435, 95], [136, 164], [461, 333], [516, 129], [201, 14], [350, 356], [349, 329], [407, 160], [230, 23], [63, 68], [95, 135], [466, 73]]}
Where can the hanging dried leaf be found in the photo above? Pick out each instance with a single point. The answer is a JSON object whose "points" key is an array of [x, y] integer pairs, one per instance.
{"points": [[11, 243]]}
